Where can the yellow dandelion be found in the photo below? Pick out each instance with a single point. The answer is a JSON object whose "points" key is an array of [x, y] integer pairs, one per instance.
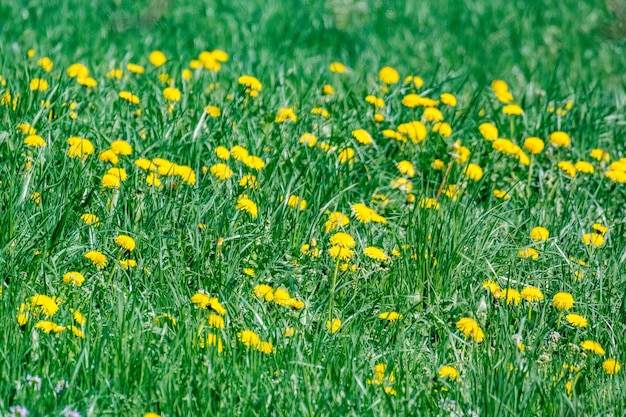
{"points": [[563, 301], [73, 278], [247, 205], [35, 141], [390, 316], [539, 233], [611, 366], [593, 239], [125, 242], [531, 294], [449, 372], [592, 346], [221, 171], [97, 258], [333, 325], [375, 253], [560, 139]]}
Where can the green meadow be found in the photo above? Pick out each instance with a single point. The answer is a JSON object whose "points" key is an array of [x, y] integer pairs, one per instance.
{"points": [[312, 208]]}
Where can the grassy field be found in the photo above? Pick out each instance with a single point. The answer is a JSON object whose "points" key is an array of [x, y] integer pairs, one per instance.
{"points": [[312, 208]]}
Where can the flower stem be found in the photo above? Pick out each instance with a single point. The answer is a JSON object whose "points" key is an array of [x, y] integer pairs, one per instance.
{"points": [[332, 288]]}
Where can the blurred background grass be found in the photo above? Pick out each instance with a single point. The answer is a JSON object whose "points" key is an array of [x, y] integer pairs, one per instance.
{"points": [[578, 42]]}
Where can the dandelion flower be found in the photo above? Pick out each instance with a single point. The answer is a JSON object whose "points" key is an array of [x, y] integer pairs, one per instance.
{"points": [[157, 58], [375, 253], [153, 180], [216, 321], [221, 171], [90, 219], [171, 94], [77, 70], [415, 130], [365, 214], [576, 320], [343, 240], [534, 145], [563, 301], [390, 316], [611, 366], [337, 67], [469, 327], [501, 194], [593, 239], [512, 110], [491, 286], [125, 242], [429, 203], [340, 252], [79, 147], [600, 155], [584, 167], [110, 181], [121, 147], [568, 168], [239, 152], [49, 326], [128, 263], [448, 371], [600, 228], [333, 325], [388, 75], [560, 139], [108, 156], [474, 172], [528, 253], [511, 295], [539, 233], [73, 278], [249, 338], [448, 99], [592, 346], [531, 294], [254, 162], [345, 155], [129, 97], [264, 292], [38, 84], [335, 221], [222, 153], [35, 141], [406, 168], [46, 304], [97, 258], [247, 205], [489, 131], [135, 69], [362, 136]]}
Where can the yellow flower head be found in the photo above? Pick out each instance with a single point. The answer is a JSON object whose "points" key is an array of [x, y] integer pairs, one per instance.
{"points": [[539, 233], [576, 320], [125, 242], [489, 131], [333, 325], [388, 75], [531, 294], [563, 301], [592, 346], [171, 94], [73, 278], [611, 366], [448, 371], [157, 58], [97, 258], [390, 316], [375, 253], [470, 328], [362, 136], [560, 139], [534, 145]]}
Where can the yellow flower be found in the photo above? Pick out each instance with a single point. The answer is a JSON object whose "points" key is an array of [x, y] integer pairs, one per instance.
{"points": [[45, 63], [375, 253], [252, 84], [77, 70], [568, 168], [501, 90], [345, 155], [343, 240], [600, 155], [432, 114], [221, 171], [249, 338], [592, 346], [563, 301], [340, 252], [121, 147], [390, 316], [362, 136], [90, 219], [108, 156], [492, 287], [128, 263], [308, 139], [448, 99], [611, 366], [296, 202], [474, 172], [265, 347], [134, 68], [531, 294], [254, 162], [438, 164], [511, 295], [593, 239], [38, 84], [216, 321], [49, 327], [600, 228], [26, 129], [125, 242], [110, 181], [448, 371], [560, 139], [406, 168], [417, 81], [128, 96], [375, 101], [489, 131], [333, 325], [74, 278], [337, 67], [443, 128], [157, 58], [388, 75], [415, 100], [501, 194], [428, 203], [97, 258], [76, 331], [87, 82], [171, 94], [534, 145], [115, 73], [79, 147], [47, 305], [249, 181], [247, 205], [513, 110], [285, 114], [335, 221], [415, 130], [584, 167], [539, 233], [328, 90], [239, 152], [35, 141], [576, 320], [36, 197], [365, 214], [469, 327], [153, 180], [528, 253], [264, 292]]}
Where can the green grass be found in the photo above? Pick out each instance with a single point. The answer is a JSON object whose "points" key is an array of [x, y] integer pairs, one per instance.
{"points": [[132, 360]]}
